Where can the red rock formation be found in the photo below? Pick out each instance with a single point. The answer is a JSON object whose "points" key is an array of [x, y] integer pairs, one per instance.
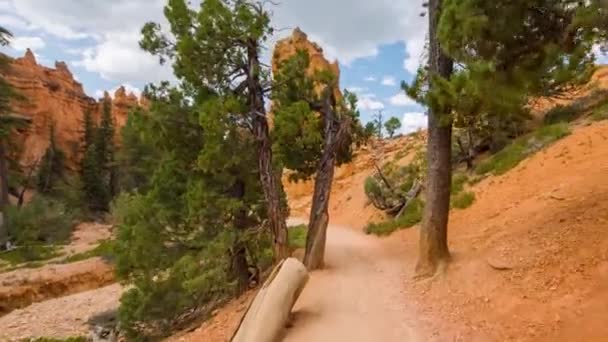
{"points": [[53, 96], [298, 41]]}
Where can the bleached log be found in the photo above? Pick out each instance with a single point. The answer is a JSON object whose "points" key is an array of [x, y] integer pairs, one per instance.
{"points": [[269, 312]]}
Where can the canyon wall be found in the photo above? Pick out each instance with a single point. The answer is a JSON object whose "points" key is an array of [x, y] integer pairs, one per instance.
{"points": [[54, 97]]}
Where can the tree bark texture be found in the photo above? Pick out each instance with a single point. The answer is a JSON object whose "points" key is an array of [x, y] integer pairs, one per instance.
{"points": [[268, 176], [433, 247], [319, 213], [3, 195]]}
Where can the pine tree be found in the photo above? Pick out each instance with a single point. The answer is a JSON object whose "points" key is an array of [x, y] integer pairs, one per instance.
{"points": [[392, 126], [217, 49], [51, 166], [548, 55], [191, 236]]}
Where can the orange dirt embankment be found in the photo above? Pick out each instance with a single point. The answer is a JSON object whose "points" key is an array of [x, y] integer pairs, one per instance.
{"points": [[21, 288], [546, 221]]}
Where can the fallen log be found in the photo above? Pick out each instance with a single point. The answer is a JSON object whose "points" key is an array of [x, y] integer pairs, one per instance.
{"points": [[269, 312]]}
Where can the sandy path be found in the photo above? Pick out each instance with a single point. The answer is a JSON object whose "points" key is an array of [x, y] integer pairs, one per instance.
{"points": [[358, 297]]}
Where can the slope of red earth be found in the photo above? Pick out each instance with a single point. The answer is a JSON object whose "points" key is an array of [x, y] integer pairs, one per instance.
{"points": [[546, 222]]}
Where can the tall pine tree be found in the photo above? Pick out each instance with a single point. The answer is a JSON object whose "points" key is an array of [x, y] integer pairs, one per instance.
{"points": [[51, 166], [218, 48]]}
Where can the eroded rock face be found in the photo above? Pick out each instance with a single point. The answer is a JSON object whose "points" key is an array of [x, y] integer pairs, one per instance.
{"points": [[53, 96], [298, 41]]}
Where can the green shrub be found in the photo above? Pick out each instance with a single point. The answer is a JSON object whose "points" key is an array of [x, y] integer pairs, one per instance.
{"points": [[40, 221], [411, 217], [564, 113], [521, 148], [104, 249], [458, 182], [462, 200], [600, 113], [29, 255], [50, 339], [297, 236]]}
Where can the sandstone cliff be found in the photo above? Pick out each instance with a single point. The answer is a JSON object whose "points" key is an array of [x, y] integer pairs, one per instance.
{"points": [[298, 41], [53, 96]]}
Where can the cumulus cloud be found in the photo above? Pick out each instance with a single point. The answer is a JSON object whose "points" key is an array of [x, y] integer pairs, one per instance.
{"points": [[128, 87], [389, 81], [385, 22], [413, 121], [13, 23], [104, 26], [113, 27], [369, 102], [370, 79], [23, 42], [401, 100], [415, 54], [116, 60]]}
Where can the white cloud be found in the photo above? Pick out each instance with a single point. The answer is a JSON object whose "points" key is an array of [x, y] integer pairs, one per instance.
{"points": [[115, 59], [370, 79], [389, 81], [24, 42], [13, 23], [369, 103], [128, 88], [415, 54], [385, 22], [357, 90], [401, 100], [413, 121], [113, 25]]}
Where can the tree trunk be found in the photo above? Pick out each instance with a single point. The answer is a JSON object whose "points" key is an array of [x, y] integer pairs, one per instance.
{"points": [[319, 213], [239, 264], [268, 176], [433, 233], [3, 195]]}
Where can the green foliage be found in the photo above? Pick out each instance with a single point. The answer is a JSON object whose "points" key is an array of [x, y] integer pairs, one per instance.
{"points": [[462, 200], [458, 182], [40, 221], [302, 113], [521, 148], [29, 254], [563, 113], [50, 339], [105, 249], [600, 113], [51, 166], [180, 235], [411, 216], [98, 169], [297, 236], [370, 130], [392, 125], [136, 158]]}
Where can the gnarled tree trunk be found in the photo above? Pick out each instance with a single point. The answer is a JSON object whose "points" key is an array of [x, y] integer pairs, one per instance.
{"points": [[268, 176], [433, 233], [319, 213], [3, 195]]}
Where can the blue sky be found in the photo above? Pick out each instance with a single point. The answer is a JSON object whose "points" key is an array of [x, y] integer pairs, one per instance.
{"points": [[378, 44]]}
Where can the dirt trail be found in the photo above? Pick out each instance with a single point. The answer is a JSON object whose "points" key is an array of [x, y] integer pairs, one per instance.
{"points": [[357, 297]]}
